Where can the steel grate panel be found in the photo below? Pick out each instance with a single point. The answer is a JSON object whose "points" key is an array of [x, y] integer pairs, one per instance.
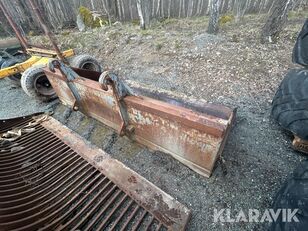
{"points": [[46, 185]]}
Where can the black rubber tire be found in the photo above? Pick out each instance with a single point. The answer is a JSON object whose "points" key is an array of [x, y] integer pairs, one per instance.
{"points": [[300, 50], [35, 84], [293, 195], [86, 62], [290, 104], [14, 79]]}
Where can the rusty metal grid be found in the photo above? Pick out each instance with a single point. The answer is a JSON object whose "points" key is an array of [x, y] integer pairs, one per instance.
{"points": [[46, 185]]}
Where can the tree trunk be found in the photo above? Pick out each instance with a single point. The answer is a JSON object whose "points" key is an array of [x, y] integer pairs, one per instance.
{"points": [[61, 13], [214, 17], [240, 8], [276, 21], [143, 7]]}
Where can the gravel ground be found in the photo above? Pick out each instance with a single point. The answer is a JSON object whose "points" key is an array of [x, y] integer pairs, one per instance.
{"points": [[232, 68], [14, 102]]}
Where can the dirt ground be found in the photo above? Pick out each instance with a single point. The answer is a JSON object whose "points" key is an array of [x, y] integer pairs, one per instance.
{"points": [[232, 68]]}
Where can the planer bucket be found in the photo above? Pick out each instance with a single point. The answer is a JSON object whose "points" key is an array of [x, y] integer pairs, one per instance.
{"points": [[192, 132]]}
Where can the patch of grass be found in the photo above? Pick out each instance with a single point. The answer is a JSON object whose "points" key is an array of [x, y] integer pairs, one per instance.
{"points": [[199, 20], [235, 38], [292, 14], [45, 40], [190, 34], [297, 14], [114, 35], [65, 33], [177, 44], [158, 46], [135, 22], [31, 33], [167, 21], [145, 32]]}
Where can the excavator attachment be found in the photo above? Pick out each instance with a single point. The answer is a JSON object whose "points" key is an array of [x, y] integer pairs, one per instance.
{"points": [[52, 179], [193, 133]]}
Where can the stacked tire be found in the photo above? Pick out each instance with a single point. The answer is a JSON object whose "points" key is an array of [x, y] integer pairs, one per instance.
{"points": [[293, 195], [290, 104]]}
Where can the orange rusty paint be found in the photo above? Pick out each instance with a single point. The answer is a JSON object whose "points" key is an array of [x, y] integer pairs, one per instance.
{"points": [[172, 213], [194, 138]]}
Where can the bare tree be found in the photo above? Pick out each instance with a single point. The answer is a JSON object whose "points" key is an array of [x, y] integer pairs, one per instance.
{"points": [[63, 13], [276, 21], [143, 7], [214, 17], [240, 8]]}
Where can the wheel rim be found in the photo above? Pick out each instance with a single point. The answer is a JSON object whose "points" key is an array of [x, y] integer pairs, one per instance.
{"points": [[43, 86], [89, 66]]}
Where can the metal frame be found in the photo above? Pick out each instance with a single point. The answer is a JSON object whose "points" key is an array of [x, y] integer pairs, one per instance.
{"points": [[52, 179]]}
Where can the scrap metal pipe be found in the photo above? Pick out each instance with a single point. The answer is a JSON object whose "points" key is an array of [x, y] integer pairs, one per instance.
{"points": [[21, 38], [194, 137], [46, 30]]}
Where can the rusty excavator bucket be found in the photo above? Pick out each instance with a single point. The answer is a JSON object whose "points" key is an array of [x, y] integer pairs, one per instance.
{"points": [[193, 132]]}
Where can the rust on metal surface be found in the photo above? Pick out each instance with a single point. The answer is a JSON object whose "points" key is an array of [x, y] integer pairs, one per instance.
{"points": [[194, 137], [46, 29], [51, 179], [300, 144]]}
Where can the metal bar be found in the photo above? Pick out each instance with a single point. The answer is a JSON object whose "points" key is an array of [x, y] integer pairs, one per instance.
{"points": [[86, 216], [29, 218], [105, 221], [139, 221], [9, 124], [33, 176], [25, 138], [130, 217], [28, 173], [75, 206], [149, 224], [11, 164], [41, 160], [48, 183], [45, 187], [18, 205], [9, 157], [121, 215], [99, 215], [163, 207], [69, 190], [46, 30], [23, 193], [21, 39], [159, 226]]}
